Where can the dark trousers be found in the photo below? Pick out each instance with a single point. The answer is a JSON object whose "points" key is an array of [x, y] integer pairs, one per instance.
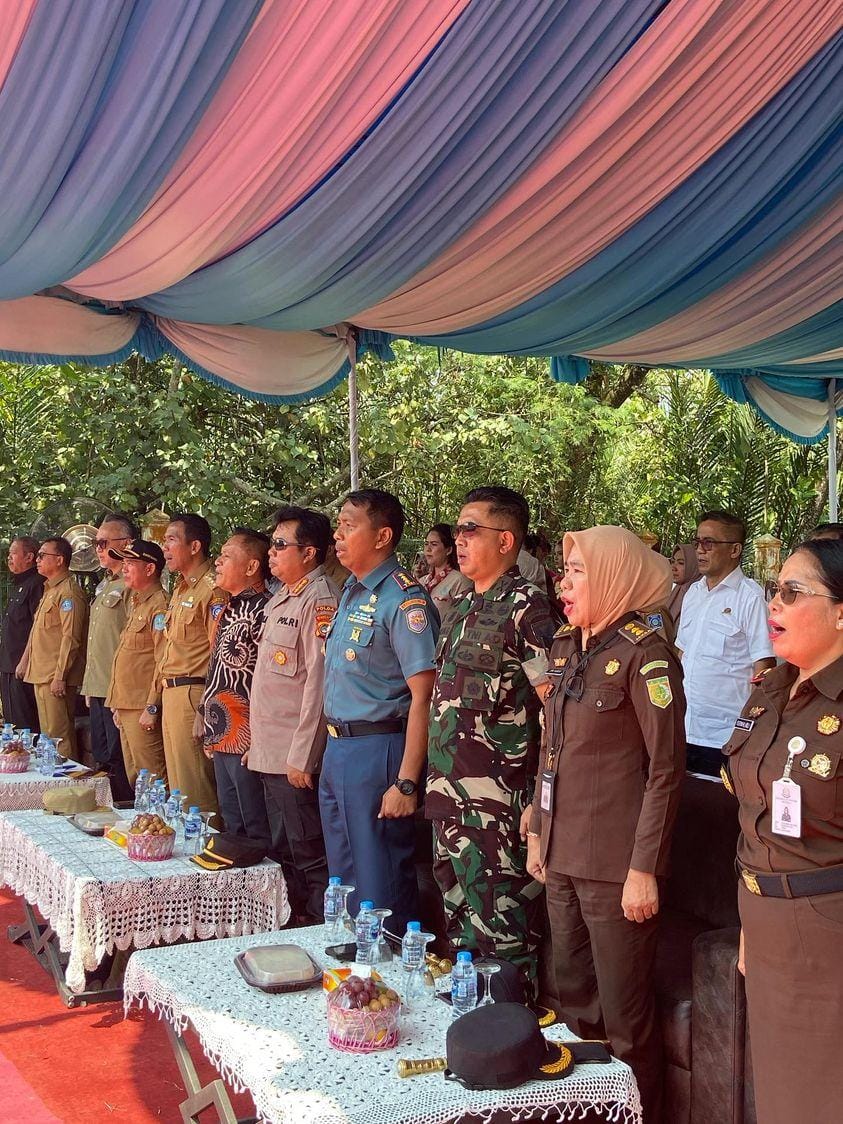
{"points": [[376, 856], [297, 843], [704, 759], [240, 795], [18, 700], [603, 966], [107, 749]]}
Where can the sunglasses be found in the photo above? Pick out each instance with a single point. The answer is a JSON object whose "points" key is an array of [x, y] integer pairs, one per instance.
{"points": [[282, 544], [469, 529], [709, 544], [788, 592], [45, 554], [102, 544]]}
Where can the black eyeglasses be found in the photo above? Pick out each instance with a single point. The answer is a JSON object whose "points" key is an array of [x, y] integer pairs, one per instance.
{"points": [[44, 554], [102, 544], [789, 592], [470, 528], [709, 544], [282, 544]]}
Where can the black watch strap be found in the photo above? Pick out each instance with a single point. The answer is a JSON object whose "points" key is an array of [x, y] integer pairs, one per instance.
{"points": [[406, 787]]}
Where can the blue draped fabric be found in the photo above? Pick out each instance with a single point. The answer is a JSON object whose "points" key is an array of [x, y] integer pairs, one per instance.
{"points": [[96, 108], [500, 86]]}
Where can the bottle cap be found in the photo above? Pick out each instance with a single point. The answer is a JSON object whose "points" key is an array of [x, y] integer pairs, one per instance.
{"points": [[464, 957], [194, 807], [143, 772], [367, 905], [414, 926], [335, 880]]}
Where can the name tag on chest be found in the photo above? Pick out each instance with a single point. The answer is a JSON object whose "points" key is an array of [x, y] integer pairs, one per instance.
{"points": [[547, 784], [787, 808]]}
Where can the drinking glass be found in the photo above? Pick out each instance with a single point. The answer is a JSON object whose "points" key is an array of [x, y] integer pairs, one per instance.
{"points": [[487, 971]]}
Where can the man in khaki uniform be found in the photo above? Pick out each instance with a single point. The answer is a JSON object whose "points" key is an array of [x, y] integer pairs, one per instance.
{"points": [[288, 728], [182, 669], [54, 658], [134, 694], [108, 615]]}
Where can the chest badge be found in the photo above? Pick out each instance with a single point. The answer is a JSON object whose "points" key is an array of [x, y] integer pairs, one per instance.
{"points": [[612, 667], [828, 724], [355, 634], [280, 658], [757, 711], [350, 654], [819, 765], [560, 661]]}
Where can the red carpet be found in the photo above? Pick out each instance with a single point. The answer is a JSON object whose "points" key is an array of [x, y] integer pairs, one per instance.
{"points": [[81, 1066]]}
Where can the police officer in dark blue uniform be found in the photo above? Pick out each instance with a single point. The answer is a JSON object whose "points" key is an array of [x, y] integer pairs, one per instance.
{"points": [[379, 668]]}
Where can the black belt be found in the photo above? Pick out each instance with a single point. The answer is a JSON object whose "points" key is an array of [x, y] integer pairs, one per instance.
{"points": [[184, 681], [363, 729], [802, 884]]}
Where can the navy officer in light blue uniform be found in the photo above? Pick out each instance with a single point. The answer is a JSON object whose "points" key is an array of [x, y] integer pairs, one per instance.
{"points": [[379, 668]]}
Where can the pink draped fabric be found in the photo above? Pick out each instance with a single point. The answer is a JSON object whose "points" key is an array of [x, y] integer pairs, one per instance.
{"points": [[256, 359], [14, 20], [799, 279], [288, 110], [701, 71], [51, 326]]}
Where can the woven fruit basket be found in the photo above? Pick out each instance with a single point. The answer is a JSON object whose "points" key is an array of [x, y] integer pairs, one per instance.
{"points": [[363, 1029], [14, 762], [150, 839]]}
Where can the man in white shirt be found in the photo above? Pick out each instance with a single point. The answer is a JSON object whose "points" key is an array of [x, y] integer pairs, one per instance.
{"points": [[722, 637]]}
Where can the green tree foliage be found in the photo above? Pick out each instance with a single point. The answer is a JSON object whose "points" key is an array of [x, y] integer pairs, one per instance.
{"points": [[648, 450]]}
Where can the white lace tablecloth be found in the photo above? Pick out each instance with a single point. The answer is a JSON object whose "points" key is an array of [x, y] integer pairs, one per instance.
{"points": [[22, 791], [97, 900], [276, 1047]]}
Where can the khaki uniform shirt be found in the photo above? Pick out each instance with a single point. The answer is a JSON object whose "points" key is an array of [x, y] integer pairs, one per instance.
{"points": [[286, 715], [57, 639], [190, 626], [757, 753], [133, 683], [108, 615], [617, 752]]}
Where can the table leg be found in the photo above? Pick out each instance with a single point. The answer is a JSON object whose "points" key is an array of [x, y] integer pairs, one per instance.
{"points": [[200, 1096], [41, 941]]}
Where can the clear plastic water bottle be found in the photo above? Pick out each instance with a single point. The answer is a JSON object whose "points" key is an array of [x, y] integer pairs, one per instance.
{"points": [[173, 809], [141, 790], [412, 947], [48, 756], [332, 909], [158, 798], [463, 985], [365, 933], [6, 737], [26, 737], [193, 831]]}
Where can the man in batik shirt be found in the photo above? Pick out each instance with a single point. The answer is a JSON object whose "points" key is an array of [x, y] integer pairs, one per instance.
{"points": [[241, 571]]}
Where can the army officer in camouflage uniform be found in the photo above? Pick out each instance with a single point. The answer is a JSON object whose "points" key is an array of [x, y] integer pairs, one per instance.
{"points": [[483, 745]]}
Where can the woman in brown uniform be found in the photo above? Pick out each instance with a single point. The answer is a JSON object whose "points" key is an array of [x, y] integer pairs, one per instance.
{"points": [[606, 800], [784, 761]]}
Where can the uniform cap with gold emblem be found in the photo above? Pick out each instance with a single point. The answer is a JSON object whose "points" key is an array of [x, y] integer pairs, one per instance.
{"points": [[140, 550], [500, 1047]]}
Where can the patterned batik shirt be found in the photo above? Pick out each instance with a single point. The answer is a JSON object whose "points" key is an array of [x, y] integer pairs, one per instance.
{"points": [[225, 703]]}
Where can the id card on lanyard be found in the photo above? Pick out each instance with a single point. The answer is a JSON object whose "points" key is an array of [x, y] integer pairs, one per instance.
{"points": [[787, 796]]}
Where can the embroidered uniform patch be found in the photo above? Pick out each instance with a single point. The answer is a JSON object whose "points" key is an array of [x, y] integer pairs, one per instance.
{"points": [[280, 658], [659, 691], [655, 620], [654, 665], [411, 601], [216, 610], [416, 620], [159, 621], [67, 605]]}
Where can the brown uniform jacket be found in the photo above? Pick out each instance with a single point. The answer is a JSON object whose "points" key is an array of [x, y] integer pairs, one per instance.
{"points": [[617, 752], [190, 626], [286, 713], [133, 683], [57, 639], [757, 753]]}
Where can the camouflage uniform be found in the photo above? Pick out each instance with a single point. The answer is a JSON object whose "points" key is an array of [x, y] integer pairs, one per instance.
{"points": [[483, 754]]}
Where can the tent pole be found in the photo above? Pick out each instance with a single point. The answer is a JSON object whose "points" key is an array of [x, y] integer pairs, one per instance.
{"points": [[353, 441], [832, 450]]}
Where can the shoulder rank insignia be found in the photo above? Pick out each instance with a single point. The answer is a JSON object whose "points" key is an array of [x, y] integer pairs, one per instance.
{"points": [[759, 678], [756, 711], [727, 780], [659, 691], [563, 630], [635, 631], [612, 667], [299, 586], [828, 724], [404, 580]]}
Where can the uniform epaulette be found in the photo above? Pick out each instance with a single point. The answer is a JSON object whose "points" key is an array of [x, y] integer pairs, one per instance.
{"points": [[300, 585], [564, 630], [727, 780], [405, 580], [636, 631]]}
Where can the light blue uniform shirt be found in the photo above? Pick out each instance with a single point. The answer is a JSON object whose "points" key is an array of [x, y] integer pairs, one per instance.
{"points": [[384, 631]]}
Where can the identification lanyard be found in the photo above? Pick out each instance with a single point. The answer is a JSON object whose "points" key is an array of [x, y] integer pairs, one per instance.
{"points": [[787, 795]]}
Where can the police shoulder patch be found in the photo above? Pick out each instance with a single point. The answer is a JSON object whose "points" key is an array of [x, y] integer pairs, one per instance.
{"points": [[636, 631], [159, 621], [67, 604]]}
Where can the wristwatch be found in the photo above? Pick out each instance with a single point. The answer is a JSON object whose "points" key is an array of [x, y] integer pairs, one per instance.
{"points": [[406, 787], [152, 709]]}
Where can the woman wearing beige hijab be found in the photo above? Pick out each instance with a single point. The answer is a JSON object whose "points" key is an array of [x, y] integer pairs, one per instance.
{"points": [[607, 794]]}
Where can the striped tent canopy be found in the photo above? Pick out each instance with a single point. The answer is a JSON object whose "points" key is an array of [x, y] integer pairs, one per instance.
{"points": [[266, 188]]}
